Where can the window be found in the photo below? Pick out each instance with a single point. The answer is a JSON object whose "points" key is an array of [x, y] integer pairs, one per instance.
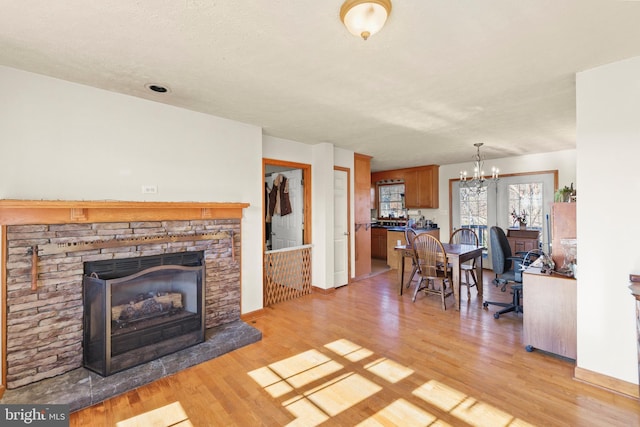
{"points": [[531, 192], [391, 198], [473, 212], [527, 198]]}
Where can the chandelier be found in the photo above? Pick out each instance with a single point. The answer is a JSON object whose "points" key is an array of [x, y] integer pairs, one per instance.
{"points": [[363, 18], [478, 181]]}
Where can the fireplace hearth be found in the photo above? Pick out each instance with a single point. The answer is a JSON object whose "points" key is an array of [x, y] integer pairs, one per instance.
{"points": [[139, 309]]}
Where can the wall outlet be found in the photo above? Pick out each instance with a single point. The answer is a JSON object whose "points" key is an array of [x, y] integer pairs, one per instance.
{"points": [[149, 189]]}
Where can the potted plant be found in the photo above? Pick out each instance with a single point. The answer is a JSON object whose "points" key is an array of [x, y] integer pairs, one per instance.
{"points": [[519, 219], [565, 194]]}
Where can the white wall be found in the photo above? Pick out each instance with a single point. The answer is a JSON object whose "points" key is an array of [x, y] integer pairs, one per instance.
{"points": [[563, 161], [608, 147], [60, 140]]}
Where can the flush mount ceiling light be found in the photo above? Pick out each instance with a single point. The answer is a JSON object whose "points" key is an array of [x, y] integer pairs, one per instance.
{"points": [[364, 18]]}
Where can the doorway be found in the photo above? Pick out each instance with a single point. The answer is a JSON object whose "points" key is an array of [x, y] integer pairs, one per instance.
{"points": [[286, 231]]}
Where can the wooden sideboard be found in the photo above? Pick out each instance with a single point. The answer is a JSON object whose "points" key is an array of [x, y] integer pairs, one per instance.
{"points": [[549, 318], [523, 240]]}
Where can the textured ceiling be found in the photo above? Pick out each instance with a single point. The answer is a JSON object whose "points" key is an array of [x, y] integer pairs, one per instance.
{"points": [[439, 77]]}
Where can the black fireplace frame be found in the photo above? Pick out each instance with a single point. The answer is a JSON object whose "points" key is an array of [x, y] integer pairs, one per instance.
{"points": [[101, 344]]}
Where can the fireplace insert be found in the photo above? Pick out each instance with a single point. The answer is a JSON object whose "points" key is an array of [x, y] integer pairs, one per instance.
{"points": [[139, 309]]}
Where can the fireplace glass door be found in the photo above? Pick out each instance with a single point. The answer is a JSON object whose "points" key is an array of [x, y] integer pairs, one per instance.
{"points": [[142, 316]]}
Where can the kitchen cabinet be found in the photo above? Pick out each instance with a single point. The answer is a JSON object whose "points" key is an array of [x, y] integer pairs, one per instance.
{"points": [[379, 243], [362, 214], [523, 240], [549, 313], [420, 185]]}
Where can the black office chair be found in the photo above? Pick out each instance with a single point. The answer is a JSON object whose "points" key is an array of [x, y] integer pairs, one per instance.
{"points": [[507, 270]]}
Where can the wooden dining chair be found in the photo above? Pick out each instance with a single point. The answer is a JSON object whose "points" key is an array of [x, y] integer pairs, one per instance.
{"points": [[410, 235], [434, 276], [466, 236]]}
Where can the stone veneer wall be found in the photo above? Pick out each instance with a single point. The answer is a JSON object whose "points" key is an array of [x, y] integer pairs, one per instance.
{"points": [[44, 327]]}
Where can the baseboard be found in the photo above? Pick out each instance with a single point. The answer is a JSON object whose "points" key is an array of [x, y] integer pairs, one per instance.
{"points": [[609, 383], [252, 315], [323, 291]]}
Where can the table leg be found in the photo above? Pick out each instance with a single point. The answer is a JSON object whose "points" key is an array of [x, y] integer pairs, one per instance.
{"points": [[455, 281], [401, 271], [480, 285]]}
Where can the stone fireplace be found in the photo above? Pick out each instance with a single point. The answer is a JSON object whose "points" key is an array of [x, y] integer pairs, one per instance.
{"points": [[48, 246]]}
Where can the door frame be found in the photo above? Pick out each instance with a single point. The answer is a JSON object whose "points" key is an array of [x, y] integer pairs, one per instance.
{"points": [[348, 171], [306, 178]]}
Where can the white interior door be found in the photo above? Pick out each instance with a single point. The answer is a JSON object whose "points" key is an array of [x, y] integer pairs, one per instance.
{"points": [[286, 231], [340, 228]]}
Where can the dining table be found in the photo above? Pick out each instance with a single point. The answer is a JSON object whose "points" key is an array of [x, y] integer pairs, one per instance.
{"points": [[457, 254]]}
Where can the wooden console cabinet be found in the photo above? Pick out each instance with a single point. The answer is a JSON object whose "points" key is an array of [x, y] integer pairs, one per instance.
{"points": [[523, 240], [549, 318]]}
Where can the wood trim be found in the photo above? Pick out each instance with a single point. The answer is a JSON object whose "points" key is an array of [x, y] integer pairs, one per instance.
{"points": [[318, 290], [253, 315], [348, 171], [606, 382], [20, 212], [306, 177]]}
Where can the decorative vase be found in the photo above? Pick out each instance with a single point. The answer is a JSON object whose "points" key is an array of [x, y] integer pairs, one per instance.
{"points": [[523, 226]]}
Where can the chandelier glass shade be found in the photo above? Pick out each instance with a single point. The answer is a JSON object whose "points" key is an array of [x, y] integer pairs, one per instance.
{"points": [[364, 18], [478, 180]]}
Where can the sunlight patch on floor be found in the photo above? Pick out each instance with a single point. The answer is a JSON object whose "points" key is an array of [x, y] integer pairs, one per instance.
{"points": [[332, 388], [400, 413], [349, 350], [389, 370], [347, 391], [169, 415], [293, 365]]}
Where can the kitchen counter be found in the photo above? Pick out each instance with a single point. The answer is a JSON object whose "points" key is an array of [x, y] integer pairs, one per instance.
{"points": [[395, 235], [396, 228]]}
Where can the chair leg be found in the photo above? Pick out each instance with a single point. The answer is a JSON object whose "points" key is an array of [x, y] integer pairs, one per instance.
{"points": [[413, 273], [418, 289], [443, 291]]}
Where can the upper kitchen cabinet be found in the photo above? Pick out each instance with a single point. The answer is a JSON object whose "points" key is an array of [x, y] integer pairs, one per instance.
{"points": [[420, 185], [427, 187]]}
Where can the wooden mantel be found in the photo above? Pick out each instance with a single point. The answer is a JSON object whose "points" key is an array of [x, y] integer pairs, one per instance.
{"points": [[22, 212]]}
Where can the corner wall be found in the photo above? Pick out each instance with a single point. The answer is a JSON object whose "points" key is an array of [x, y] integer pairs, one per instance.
{"points": [[608, 148]]}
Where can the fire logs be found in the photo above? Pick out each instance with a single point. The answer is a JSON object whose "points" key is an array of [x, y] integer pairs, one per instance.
{"points": [[146, 306]]}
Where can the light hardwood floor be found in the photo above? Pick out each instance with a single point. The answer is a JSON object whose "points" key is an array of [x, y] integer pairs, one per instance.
{"points": [[366, 356]]}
